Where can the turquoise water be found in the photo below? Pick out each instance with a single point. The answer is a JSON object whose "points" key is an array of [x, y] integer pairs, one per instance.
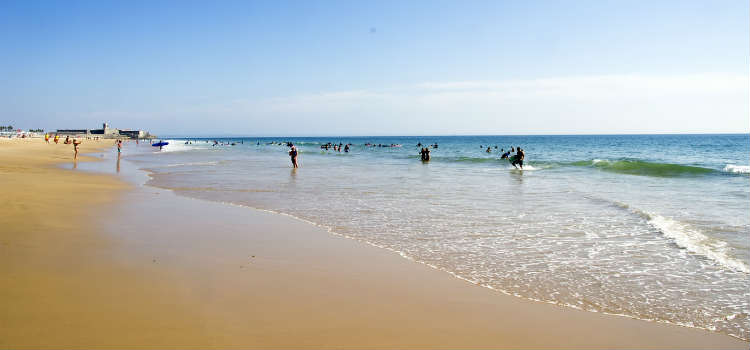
{"points": [[654, 227]]}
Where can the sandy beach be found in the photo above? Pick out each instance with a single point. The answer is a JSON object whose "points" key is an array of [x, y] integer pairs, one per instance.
{"points": [[91, 260]]}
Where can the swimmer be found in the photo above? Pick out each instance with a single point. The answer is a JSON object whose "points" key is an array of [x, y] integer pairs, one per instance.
{"points": [[505, 155]]}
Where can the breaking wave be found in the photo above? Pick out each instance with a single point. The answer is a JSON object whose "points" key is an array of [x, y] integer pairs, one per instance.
{"points": [[639, 167], [691, 239], [737, 169]]}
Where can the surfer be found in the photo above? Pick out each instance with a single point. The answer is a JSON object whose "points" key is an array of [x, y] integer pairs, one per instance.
{"points": [[293, 155], [489, 150]]}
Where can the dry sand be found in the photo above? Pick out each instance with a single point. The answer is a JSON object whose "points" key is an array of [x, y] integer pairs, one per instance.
{"points": [[89, 261]]}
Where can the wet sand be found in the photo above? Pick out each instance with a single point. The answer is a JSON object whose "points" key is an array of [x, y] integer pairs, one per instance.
{"points": [[87, 260]]}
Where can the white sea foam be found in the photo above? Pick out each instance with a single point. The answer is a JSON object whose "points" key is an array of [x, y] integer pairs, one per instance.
{"points": [[191, 164], [737, 169], [175, 146], [691, 239], [696, 242]]}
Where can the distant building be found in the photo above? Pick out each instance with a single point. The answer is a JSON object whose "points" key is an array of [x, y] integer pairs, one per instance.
{"points": [[106, 132]]}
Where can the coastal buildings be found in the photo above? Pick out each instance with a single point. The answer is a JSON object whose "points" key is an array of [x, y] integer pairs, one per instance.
{"points": [[107, 132]]}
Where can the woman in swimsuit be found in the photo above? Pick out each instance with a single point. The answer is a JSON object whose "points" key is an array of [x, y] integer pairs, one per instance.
{"points": [[293, 154], [75, 148]]}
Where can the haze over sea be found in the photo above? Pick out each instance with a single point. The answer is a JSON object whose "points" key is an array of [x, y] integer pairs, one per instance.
{"points": [[653, 227]]}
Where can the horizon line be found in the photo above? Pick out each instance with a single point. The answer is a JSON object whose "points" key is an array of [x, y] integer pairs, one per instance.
{"points": [[455, 135]]}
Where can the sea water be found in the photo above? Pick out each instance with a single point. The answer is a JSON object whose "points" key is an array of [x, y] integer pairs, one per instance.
{"points": [[654, 227]]}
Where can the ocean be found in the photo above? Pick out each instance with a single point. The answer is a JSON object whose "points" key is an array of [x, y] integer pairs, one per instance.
{"points": [[653, 227]]}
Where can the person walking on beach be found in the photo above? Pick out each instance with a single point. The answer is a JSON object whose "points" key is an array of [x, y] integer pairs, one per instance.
{"points": [[46, 138], [76, 143], [119, 147], [293, 155], [57, 138]]}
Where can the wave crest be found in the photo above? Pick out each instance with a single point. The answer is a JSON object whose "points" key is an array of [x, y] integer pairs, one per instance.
{"points": [[639, 167], [691, 239], [737, 169]]}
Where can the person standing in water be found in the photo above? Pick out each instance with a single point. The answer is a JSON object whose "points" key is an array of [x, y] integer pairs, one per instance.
{"points": [[520, 155], [425, 154], [293, 155]]}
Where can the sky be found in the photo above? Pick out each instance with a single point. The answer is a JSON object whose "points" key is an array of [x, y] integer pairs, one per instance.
{"points": [[295, 68]]}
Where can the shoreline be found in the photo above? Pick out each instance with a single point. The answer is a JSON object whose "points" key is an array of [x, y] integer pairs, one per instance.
{"points": [[402, 255], [307, 287]]}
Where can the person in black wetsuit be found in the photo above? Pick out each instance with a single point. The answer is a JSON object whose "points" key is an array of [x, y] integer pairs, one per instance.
{"points": [[520, 155], [425, 154]]}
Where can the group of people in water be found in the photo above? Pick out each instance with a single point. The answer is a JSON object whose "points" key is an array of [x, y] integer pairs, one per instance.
{"points": [[516, 160], [424, 153], [335, 147]]}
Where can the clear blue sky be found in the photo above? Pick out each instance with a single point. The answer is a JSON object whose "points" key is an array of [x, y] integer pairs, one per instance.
{"points": [[378, 67]]}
